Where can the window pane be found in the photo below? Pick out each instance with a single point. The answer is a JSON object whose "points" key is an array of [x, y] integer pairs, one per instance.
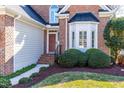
{"points": [[53, 11], [52, 16], [73, 38], [85, 39], [80, 38], [93, 39]]}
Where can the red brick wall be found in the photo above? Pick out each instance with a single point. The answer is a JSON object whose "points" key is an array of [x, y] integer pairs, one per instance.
{"points": [[83, 8], [62, 29], [6, 44], [101, 43]]}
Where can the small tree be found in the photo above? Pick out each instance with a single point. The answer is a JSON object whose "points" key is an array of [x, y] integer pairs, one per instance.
{"points": [[114, 35]]}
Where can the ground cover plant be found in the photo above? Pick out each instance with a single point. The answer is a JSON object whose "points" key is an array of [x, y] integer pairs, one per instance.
{"points": [[81, 80]]}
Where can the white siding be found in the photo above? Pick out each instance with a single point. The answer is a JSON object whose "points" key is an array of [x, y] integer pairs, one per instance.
{"points": [[28, 45]]}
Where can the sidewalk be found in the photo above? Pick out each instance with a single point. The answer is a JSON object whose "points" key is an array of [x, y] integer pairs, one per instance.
{"points": [[16, 79]]}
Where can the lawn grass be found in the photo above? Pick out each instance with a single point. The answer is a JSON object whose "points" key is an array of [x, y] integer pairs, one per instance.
{"points": [[81, 80]]}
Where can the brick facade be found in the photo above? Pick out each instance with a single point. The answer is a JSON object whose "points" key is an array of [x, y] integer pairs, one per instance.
{"points": [[84, 8], [43, 10], [6, 44], [7, 37], [101, 26], [62, 29]]}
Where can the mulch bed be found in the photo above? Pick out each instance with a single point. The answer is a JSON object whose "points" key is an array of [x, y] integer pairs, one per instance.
{"points": [[114, 70]]}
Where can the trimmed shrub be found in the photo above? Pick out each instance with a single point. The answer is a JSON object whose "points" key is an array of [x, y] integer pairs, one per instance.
{"points": [[92, 50], [34, 75], [98, 59], [70, 58], [5, 83], [43, 69], [19, 72], [82, 60], [25, 80]]}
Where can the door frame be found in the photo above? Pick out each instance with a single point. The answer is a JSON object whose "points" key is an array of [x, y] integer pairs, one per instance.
{"points": [[56, 36]]}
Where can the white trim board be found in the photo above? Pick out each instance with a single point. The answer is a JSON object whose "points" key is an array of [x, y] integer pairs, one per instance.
{"points": [[67, 6]]}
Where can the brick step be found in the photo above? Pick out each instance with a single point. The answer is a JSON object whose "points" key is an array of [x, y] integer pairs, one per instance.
{"points": [[46, 59]]}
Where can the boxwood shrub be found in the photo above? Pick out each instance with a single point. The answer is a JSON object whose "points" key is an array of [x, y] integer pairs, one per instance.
{"points": [[91, 51], [34, 75], [5, 83], [71, 58], [43, 69], [82, 59], [98, 59], [25, 80]]}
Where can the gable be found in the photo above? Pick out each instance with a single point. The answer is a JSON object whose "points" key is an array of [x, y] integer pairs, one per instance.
{"points": [[73, 9], [43, 10]]}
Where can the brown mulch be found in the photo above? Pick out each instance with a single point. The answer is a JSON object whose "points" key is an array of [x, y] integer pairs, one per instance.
{"points": [[114, 70]]}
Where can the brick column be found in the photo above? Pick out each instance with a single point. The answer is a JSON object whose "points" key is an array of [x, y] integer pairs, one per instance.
{"points": [[101, 41], [63, 33], [6, 44]]}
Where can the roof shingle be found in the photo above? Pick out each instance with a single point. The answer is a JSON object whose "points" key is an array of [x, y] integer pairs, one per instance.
{"points": [[85, 16]]}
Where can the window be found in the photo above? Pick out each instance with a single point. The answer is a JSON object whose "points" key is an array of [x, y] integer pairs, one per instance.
{"points": [[93, 39], [73, 39], [80, 38], [52, 14], [83, 39]]}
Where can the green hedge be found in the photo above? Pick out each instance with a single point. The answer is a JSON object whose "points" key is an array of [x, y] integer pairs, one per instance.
{"points": [[82, 60], [5, 83], [71, 58], [20, 71], [25, 80], [43, 69], [34, 75], [98, 59]]}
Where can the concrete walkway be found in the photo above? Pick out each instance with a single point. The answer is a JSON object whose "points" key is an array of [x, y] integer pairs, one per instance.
{"points": [[16, 79]]}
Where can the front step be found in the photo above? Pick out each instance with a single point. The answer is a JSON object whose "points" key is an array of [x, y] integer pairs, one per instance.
{"points": [[46, 59]]}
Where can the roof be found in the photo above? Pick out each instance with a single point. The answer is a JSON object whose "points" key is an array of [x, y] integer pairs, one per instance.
{"points": [[85, 16], [34, 15], [43, 10]]}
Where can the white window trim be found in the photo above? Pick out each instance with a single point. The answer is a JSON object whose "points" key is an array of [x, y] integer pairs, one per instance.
{"points": [[88, 35], [50, 20], [82, 46]]}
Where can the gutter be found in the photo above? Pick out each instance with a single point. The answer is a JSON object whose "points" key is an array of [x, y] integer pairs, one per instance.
{"points": [[13, 13]]}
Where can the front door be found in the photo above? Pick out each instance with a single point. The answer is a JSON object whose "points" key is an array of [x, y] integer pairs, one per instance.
{"points": [[52, 43]]}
